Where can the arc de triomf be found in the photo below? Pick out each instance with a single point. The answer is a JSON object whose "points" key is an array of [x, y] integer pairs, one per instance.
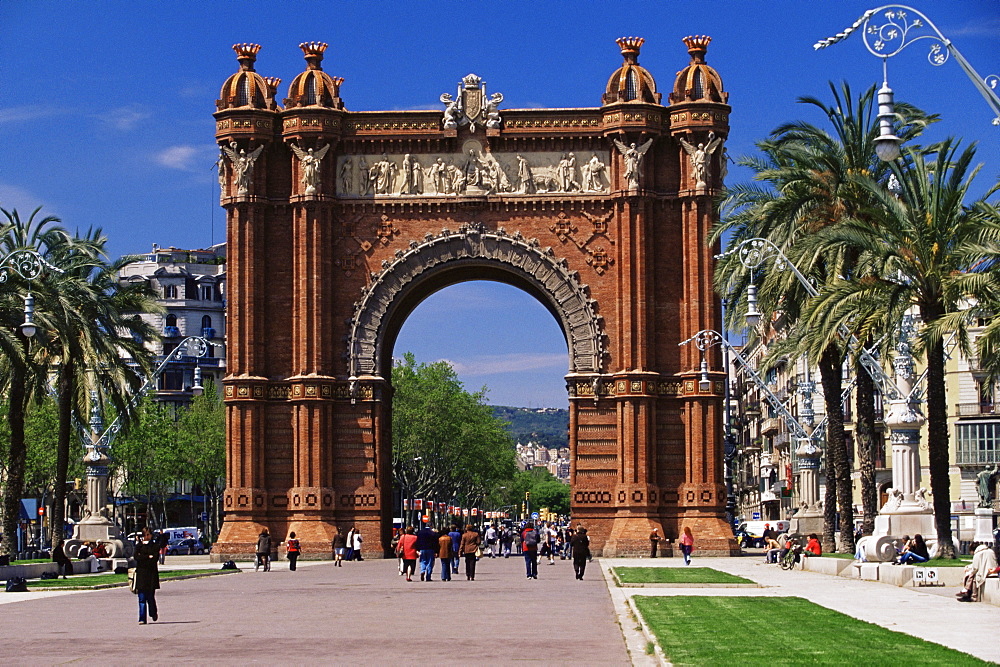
{"points": [[341, 222]]}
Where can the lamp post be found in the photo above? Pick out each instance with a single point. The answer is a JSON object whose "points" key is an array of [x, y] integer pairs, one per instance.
{"points": [[889, 29], [29, 264], [96, 525]]}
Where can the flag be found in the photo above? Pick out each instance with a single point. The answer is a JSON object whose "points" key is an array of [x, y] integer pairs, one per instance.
{"points": [[442, 507], [419, 505], [465, 511], [475, 511]]}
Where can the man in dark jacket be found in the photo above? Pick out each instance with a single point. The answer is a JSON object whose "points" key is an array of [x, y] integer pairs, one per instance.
{"points": [[263, 551], [427, 546], [581, 551]]}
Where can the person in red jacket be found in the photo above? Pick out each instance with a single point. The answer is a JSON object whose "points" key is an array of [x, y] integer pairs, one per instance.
{"points": [[407, 550], [812, 546]]}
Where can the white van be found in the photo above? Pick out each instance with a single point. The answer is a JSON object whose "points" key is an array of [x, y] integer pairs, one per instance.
{"points": [[755, 529], [181, 533]]}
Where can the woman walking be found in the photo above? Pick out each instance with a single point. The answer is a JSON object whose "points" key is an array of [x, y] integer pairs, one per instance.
{"points": [[147, 575], [581, 551], [687, 544], [468, 547], [292, 550], [356, 545], [407, 550]]}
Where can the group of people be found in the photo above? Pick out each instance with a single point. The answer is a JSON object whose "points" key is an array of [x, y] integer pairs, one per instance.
{"points": [[449, 547], [686, 542], [776, 547]]}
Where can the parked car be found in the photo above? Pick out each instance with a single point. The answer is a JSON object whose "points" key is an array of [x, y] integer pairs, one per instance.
{"points": [[185, 547]]}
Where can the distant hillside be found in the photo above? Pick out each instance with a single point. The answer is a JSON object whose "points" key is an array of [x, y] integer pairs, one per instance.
{"points": [[546, 426]]}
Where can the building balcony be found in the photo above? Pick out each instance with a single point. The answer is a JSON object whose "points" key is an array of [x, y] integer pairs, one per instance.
{"points": [[171, 332], [208, 332], [770, 425], [976, 410]]}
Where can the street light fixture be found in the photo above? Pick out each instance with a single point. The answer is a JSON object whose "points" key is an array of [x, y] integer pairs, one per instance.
{"points": [[753, 315], [28, 327], [884, 40], [887, 143], [197, 389]]}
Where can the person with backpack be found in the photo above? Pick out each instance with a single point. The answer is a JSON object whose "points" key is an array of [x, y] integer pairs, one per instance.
{"points": [[263, 551], [293, 550], [529, 547]]}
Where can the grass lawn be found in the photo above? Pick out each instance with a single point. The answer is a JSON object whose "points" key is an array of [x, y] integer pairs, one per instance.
{"points": [[676, 575], [85, 580], [688, 631], [33, 560]]}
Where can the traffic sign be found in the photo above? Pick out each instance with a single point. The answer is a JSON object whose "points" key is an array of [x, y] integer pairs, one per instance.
{"points": [[204, 516], [534, 515], [41, 511]]}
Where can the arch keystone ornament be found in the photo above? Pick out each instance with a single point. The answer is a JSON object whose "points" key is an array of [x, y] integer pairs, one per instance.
{"points": [[328, 258]]}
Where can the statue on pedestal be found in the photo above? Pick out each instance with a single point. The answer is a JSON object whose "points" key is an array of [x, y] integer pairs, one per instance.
{"points": [[984, 487]]}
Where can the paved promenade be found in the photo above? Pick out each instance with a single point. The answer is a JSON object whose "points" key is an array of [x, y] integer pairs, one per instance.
{"points": [[364, 613], [360, 614]]}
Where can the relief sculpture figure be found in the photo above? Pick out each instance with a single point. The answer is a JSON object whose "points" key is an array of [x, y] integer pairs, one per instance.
{"points": [[525, 181], [347, 176], [593, 175], [633, 158], [310, 161], [567, 173], [242, 165], [383, 176], [492, 111], [439, 177]]}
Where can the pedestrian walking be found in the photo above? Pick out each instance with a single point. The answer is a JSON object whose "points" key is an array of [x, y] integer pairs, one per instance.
{"points": [[468, 547], [292, 550], [407, 550], [529, 547], [350, 543], [147, 575], [427, 546], [506, 540], [581, 551], [445, 553], [339, 548], [687, 544], [654, 542], [456, 541], [491, 542], [263, 551], [356, 544]]}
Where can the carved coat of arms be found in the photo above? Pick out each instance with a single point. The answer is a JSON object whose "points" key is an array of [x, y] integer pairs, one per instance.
{"points": [[471, 106]]}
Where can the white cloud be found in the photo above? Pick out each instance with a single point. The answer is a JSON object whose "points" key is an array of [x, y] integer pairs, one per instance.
{"points": [[16, 197], [508, 363], [986, 28], [28, 112], [177, 157], [125, 118]]}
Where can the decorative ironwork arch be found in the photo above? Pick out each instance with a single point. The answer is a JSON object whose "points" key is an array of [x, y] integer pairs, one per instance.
{"points": [[523, 259]]}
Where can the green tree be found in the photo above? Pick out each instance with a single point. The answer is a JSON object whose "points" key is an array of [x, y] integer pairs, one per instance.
{"points": [[143, 460], [200, 451], [446, 444], [917, 247]]}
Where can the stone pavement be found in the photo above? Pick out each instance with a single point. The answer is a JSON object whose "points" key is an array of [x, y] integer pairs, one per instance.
{"points": [[361, 613], [935, 616]]}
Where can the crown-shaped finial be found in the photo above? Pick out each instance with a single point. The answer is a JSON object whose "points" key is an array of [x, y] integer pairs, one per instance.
{"points": [[272, 85], [314, 53], [471, 81], [246, 54], [630, 47], [697, 46]]}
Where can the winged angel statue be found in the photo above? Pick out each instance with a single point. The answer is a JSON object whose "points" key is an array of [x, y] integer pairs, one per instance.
{"points": [[701, 156], [310, 160], [242, 165], [633, 158]]}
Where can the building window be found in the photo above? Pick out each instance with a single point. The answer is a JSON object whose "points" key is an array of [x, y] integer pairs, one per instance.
{"points": [[170, 291], [172, 380], [978, 443], [171, 320], [206, 322], [207, 293]]}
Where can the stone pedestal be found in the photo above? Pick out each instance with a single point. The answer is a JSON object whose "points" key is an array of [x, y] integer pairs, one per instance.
{"points": [[984, 525]]}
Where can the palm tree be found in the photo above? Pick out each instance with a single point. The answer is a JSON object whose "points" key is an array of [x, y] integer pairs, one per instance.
{"points": [[915, 249], [20, 377], [92, 329], [809, 186]]}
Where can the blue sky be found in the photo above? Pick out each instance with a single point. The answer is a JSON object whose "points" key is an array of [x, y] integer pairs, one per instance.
{"points": [[105, 110]]}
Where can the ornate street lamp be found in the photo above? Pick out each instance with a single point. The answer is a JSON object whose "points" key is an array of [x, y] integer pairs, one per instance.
{"points": [[29, 264], [887, 31]]}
